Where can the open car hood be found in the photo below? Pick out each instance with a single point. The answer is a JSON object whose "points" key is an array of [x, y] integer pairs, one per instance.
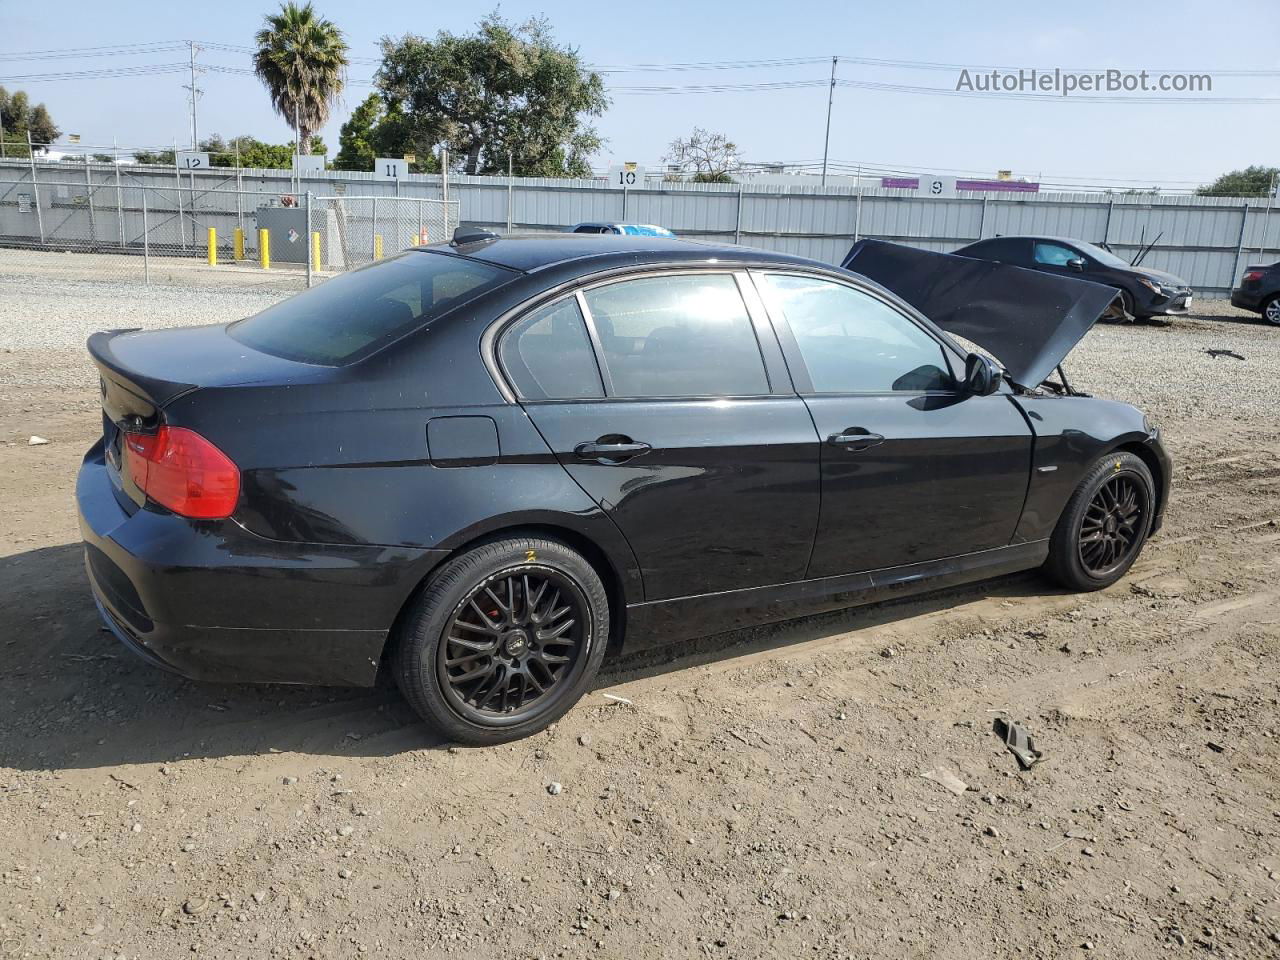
{"points": [[1026, 319]]}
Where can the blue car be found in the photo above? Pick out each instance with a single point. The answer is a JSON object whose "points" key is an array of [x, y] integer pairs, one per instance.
{"points": [[629, 229]]}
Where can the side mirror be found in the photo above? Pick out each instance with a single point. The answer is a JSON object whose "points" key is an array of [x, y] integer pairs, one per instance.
{"points": [[1077, 264], [981, 375]]}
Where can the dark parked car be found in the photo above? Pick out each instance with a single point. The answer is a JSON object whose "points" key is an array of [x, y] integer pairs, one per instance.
{"points": [[629, 229], [1259, 291], [481, 465], [1145, 292]]}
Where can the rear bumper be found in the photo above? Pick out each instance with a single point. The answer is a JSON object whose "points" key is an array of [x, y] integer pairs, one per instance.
{"points": [[211, 601], [1247, 299]]}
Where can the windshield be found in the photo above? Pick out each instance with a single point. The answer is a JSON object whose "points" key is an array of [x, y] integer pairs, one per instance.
{"points": [[1104, 257], [356, 313]]}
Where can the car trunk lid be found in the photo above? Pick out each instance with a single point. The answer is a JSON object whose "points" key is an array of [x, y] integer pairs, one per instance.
{"points": [[141, 372]]}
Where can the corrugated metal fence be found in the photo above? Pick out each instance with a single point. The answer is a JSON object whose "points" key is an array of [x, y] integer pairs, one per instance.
{"points": [[1205, 240]]}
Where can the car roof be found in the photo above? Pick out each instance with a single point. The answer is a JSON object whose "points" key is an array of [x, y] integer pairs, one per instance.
{"points": [[1029, 236], [529, 254]]}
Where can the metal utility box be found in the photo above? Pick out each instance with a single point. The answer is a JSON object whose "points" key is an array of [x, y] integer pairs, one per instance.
{"points": [[287, 227]]}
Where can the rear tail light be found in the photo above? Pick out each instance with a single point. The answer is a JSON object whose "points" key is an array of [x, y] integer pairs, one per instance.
{"points": [[1252, 275], [181, 470]]}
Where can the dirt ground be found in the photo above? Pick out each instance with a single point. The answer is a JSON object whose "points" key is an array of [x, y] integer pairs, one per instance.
{"points": [[760, 796]]}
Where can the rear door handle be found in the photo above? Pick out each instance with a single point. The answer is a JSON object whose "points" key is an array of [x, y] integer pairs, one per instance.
{"points": [[611, 451], [855, 439]]}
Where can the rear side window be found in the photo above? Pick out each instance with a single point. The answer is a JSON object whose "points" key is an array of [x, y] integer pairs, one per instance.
{"points": [[1003, 249], [357, 312], [548, 355], [686, 335]]}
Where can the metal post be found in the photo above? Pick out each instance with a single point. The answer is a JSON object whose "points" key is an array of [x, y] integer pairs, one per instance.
{"points": [[831, 97], [737, 226], [195, 140], [3, 155], [623, 218], [239, 189], [374, 228], [418, 239], [35, 186], [177, 179], [119, 198], [309, 239], [982, 219], [297, 150], [88, 186], [1266, 223], [444, 176], [857, 215], [1106, 227], [146, 241], [510, 187], [1244, 223]]}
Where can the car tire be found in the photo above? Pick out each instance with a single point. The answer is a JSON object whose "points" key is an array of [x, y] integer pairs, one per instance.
{"points": [[474, 615], [1271, 311], [1095, 556], [1126, 298]]}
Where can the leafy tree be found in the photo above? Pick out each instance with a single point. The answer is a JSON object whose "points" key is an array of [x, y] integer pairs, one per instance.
{"points": [[302, 61], [165, 157], [18, 117], [503, 89], [103, 158], [355, 139], [373, 131], [1252, 181], [707, 156]]}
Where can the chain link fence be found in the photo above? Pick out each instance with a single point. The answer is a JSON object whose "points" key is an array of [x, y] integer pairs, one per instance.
{"points": [[109, 228]]}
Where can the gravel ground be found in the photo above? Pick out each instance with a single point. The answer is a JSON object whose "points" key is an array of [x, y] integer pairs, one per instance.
{"points": [[763, 794]]}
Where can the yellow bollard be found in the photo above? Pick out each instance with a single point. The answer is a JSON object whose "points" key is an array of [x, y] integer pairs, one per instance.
{"points": [[213, 246], [264, 248], [239, 244], [377, 246], [315, 250]]}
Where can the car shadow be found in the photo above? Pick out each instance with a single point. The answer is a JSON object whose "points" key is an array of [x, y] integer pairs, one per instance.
{"points": [[75, 698]]}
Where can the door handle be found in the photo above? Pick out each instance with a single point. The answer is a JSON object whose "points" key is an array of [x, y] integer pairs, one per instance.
{"points": [[611, 450], [855, 439]]}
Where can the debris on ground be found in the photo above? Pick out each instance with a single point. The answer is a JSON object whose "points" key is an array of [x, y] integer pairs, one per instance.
{"points": [[945, 778], [1215, 353], [1018, 740]]}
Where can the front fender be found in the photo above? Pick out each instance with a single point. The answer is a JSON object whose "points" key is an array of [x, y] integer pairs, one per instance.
{"points": [[1071, 433]]}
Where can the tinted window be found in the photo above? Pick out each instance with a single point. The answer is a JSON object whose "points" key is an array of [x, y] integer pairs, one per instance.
{"points": [[548, 355], [678, 336], [852, 342], [1053, 254], [1003, 249], [359, 311]]}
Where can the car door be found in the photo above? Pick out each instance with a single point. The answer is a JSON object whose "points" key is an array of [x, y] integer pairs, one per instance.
{"points": [[1048, 256], [667, 400], [913, 467]]}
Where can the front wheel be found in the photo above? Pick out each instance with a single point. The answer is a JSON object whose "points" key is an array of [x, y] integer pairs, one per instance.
{"points": [[503, 640], [1104, 525]]}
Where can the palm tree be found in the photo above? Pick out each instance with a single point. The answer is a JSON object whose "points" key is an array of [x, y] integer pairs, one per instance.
{"points": [[302, 61]]}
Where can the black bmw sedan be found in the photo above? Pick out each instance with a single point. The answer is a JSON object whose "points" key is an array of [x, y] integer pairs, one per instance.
{"points": [[485, 466], [1144, 292]]}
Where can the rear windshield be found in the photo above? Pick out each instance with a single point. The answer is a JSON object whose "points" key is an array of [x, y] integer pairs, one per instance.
{"points": [[356, 313]]}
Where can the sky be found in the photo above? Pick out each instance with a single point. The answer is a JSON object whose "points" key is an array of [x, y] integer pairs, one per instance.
{"points": [[1176, 145]]}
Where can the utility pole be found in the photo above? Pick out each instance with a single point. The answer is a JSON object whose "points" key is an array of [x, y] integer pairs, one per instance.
{"points": [[831, 97], [195, 94]]}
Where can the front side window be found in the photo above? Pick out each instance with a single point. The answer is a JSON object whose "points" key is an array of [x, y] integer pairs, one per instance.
{"points": [[851, 342], [357, 312], [685, 335], [1054, 255], [548, 355]]}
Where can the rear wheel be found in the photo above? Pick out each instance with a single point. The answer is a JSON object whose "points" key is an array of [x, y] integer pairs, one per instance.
{"points": [[1104, 525], [503, 640], [1271, 311]]}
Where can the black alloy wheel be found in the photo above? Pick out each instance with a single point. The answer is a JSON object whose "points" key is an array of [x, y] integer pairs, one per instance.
{"points": [[513, 644], [503, 639], [1113, 525], [1104, 524]]}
